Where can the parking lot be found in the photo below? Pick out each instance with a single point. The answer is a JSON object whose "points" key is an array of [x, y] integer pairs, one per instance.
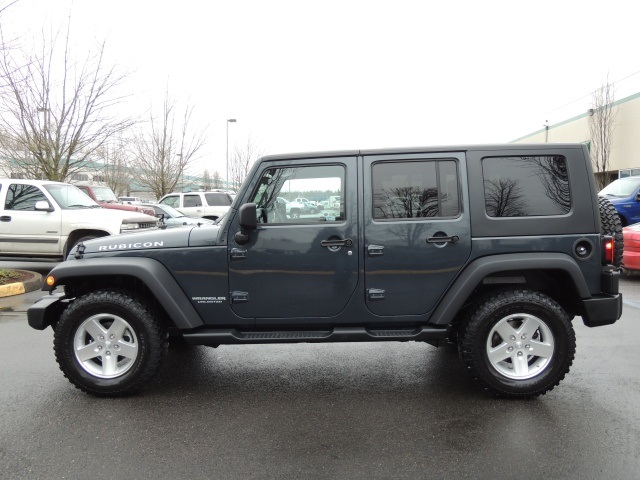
{"points": [[391, 410]]}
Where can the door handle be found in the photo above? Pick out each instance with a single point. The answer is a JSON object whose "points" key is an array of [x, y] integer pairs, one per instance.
{"points": [[343, 242], [5, 218], [447, 239]]}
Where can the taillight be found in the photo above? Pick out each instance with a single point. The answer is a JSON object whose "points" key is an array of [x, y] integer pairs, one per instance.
{"points": [[608, 247]]}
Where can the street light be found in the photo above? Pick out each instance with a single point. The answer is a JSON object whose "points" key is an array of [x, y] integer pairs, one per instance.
{"points": [[229, 120]]}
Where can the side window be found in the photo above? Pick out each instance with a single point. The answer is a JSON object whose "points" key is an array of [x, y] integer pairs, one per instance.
{"points": [[23, 197], [192, 201], [415, 189], [301, 195], [172, 201], [217, 199], [526, 186]]}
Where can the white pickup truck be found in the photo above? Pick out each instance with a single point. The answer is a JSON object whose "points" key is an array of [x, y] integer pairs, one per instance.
{"points": [[48, 219]]}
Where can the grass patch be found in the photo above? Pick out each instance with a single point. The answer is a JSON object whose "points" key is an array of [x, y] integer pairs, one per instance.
{"points": [[8, 276]]}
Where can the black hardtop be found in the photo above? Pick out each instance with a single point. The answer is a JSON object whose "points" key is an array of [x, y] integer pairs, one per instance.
{"points": [[414, 150]]}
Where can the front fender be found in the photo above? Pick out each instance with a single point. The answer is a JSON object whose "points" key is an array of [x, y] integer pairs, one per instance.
{"points": [[151, 272]]}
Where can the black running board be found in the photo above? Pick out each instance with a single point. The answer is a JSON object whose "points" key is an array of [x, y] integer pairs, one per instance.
{"points": [[211, 336]]}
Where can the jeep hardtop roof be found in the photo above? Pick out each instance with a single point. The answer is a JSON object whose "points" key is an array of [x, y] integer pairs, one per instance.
{"points": [[411, 150]]}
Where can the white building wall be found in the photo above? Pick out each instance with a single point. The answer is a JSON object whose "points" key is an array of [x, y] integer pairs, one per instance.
{"points": [[625, 149]]}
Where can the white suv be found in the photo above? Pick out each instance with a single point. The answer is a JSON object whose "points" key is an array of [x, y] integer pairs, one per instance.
{"points": [[48, 219], [211, 205]]}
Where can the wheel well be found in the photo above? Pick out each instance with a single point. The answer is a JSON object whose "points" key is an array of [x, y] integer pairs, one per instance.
{"points": [[78, 286], [557, 284], [210, 217], [78, 234]]}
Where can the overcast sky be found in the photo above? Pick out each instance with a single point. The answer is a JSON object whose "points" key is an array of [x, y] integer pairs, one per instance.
{"points": [[327, 75]]}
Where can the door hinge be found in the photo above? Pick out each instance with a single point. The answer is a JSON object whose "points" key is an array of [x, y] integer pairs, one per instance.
{"points": [[375, 294], [239, 297], [237, 254]]}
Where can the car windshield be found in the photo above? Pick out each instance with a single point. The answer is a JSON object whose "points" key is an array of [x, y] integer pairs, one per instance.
{"points": [[172, 212], [104, 194], [623, 187], [70, 196]]}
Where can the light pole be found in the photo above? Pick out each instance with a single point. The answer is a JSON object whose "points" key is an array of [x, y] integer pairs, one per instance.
{"points": [[229, 120]]}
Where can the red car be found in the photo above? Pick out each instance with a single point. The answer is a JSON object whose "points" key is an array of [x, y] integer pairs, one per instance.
{"points": [[631, 257]]}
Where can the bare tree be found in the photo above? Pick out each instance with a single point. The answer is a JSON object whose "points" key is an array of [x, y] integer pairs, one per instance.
{"points": [[206, 180], [55, 109], [602, 117], [164, 151], [217, 181], [114, 172], [241, 161]]}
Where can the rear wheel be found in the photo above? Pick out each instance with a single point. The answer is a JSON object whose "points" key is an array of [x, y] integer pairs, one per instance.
{"points": [[517, 343], [108, 344]]}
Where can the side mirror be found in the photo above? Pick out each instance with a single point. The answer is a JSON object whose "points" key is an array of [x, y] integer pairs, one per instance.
{"points": [[43, 206], [248, 218], [248, 222], [637, 199]]}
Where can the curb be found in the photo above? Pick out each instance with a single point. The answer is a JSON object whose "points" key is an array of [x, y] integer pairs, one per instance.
{"points": [[17, 288]]}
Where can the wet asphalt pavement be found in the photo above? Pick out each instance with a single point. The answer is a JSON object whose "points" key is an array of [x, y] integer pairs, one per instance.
{"points": [[388, 410]]}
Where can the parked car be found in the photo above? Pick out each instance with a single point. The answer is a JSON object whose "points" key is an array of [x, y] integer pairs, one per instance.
{"points": [[210, 205], [624, 194], [171, 218], [105, 197], [132, 200], [48, 219], [631, 255]]}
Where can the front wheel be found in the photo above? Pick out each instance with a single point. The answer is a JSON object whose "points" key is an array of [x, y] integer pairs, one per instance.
{"points": [[517, 343], [107, 343]]}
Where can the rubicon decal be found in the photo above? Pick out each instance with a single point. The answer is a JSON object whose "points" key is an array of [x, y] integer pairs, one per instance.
{"points": [[129, 246]]}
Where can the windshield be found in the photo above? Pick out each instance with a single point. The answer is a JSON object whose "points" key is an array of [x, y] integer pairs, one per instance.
{"points": [[172, 212], [70, 196], [623, 187], [104, 194]]}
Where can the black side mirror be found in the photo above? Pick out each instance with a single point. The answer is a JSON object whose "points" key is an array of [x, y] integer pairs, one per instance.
{"points": [[248, 222], [248, 218], [637, 199]]}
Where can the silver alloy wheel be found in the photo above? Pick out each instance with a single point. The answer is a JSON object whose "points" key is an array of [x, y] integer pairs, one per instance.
{"points": [[105, 346], [520, 346]]}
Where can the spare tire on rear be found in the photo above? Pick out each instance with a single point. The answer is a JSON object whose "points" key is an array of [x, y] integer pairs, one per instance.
{"points": [[610, 225]]}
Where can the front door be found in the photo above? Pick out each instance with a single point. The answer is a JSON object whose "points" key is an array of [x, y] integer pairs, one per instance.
{"points": [[417, 234], [23, 229], [297, 264]]}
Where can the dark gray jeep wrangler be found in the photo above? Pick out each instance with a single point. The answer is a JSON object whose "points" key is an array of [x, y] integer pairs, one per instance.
{"points": [[494, 249]]}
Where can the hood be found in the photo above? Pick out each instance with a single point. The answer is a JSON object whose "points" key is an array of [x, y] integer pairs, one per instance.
{"points": [[153, 240], [117, 215]]}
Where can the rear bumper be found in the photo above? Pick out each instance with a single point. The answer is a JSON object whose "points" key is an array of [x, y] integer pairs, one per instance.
{"points": [[602, 310]]}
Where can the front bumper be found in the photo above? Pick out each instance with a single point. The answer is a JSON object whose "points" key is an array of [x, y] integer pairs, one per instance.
{"points": [[45, 311]]}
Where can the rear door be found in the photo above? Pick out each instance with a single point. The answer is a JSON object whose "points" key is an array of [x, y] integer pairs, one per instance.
{"points": [[417, 230]]}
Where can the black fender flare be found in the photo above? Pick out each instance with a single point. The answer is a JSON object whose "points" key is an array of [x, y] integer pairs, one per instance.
{"points": [[149, 271], [477, 270]]}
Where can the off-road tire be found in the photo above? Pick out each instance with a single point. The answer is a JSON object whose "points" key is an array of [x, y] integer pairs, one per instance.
{"points": [[611, 225], [475, 337], [120, 306]]}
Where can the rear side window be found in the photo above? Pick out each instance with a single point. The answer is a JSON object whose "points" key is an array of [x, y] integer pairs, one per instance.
{"points": [[526, 186], [217, 199], [415, 189], [192, 201]]}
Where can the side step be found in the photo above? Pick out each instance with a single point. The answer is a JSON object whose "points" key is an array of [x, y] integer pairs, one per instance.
{"points": [[213, 336]]}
